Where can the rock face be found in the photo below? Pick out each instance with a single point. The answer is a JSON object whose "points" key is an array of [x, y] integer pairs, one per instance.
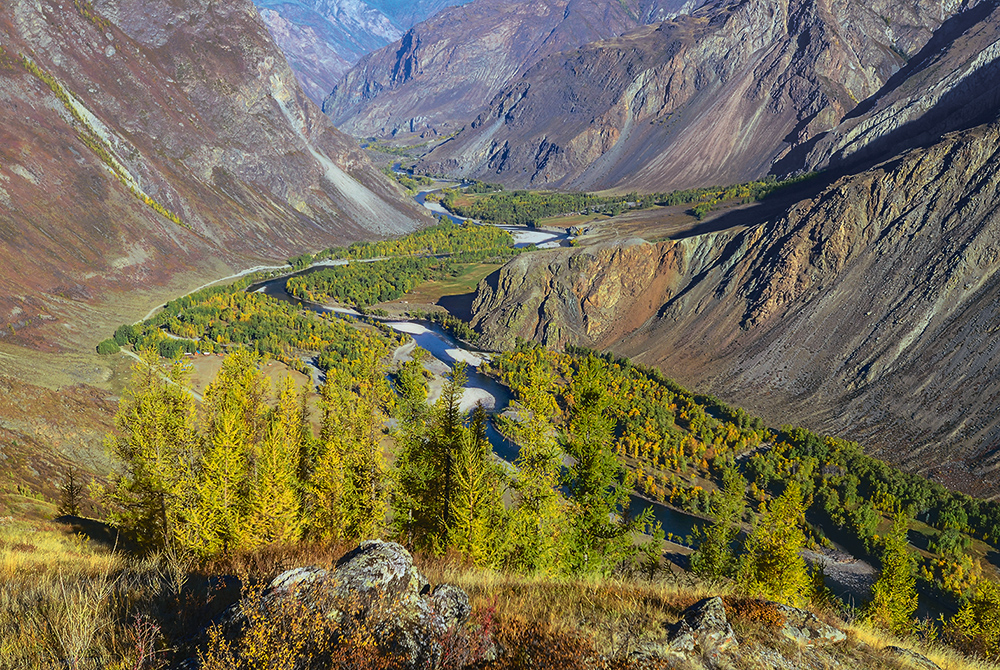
{"points": [[947, 86], [804, 628], [433, 80], [704, 637], [868, 309], [377, 586], [322, 39], [142, 139], [715, 97]]}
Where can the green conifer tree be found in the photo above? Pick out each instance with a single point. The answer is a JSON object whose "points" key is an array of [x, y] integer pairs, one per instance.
{"points": [[714, 558], [894, 595], [598, 485]]}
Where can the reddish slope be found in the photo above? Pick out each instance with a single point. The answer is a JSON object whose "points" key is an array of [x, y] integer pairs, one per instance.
{"points": [[189, 143]]}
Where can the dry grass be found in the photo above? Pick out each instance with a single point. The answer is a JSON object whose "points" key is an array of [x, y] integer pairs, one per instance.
{"points": [[609, 615], [68, 602], [946, 657]]}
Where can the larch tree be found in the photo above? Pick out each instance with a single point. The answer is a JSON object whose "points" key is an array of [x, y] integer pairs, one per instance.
{"points": [[771, 566], [365, 493], [234, 423], [478, 518], [275, 515], [156, 448], [538, 517]]}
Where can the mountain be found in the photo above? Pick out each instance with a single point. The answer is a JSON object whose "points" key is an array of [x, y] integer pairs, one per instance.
{"points": [[322, 39], [146, 146], [714, 97], [867, 308], [433, 80]]}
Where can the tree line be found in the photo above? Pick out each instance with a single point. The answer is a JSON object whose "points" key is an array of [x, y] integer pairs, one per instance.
{"points": [[695, 452], [527, 208], [246, 469]]}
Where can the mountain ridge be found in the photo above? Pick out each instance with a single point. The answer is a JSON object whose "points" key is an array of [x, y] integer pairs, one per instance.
{"points": [[146, 141]]}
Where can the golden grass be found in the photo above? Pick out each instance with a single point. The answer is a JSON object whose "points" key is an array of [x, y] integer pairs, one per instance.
{"points": [[49, 548], [65, 601], [946, 657]]}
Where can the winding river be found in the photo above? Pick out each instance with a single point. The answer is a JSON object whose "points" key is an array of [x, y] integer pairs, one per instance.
{"points": [[445, 351]]}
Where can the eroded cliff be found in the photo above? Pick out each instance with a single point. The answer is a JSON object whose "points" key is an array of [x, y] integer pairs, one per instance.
{"points": [[870, 309]]}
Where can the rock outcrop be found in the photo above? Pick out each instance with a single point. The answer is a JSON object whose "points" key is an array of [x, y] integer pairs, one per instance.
{"points": [[947, 86], [704, 636], [375, 587], [868, 309], [141, 140], [435, 79]]}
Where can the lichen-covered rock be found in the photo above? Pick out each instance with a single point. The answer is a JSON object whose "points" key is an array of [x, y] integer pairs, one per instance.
{"points": [[705, 628], [702, 638], [450, 604], [803, 627], [379, 571], [374, 588]]}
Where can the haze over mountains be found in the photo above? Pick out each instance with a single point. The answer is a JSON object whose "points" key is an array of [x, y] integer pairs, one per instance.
{"points": [[433, 81], [322, 39]]}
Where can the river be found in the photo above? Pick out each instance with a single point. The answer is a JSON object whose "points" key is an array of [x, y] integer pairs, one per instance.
{"points": [[445, 351]]}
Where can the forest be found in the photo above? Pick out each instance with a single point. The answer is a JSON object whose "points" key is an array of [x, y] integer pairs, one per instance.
{"points": [[246, 470], [222, 318], [696, 453], [399, 265], [526, 208]]}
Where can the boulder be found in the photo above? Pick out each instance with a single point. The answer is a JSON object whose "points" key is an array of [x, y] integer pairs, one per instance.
{"points": [[377, 590], [702, 638], [803, 627], [704, 627]]}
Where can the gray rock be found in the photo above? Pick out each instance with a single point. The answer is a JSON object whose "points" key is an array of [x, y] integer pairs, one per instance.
{"points": [[705, 628], [803, 627], [913, 658], [451, 604], [374, 588], [702, 638]]}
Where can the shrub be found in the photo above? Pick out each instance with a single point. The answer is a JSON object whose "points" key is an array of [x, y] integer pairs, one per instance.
{"points": [[108, 346]]}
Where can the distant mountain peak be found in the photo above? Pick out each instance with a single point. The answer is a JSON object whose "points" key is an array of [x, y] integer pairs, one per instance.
{"points": [[322, 39]]}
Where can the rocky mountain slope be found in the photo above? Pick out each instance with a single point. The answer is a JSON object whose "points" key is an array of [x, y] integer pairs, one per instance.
{"points": [[141, 141], [714, 97], [869, 308], [434, 79], [322, 39]]}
